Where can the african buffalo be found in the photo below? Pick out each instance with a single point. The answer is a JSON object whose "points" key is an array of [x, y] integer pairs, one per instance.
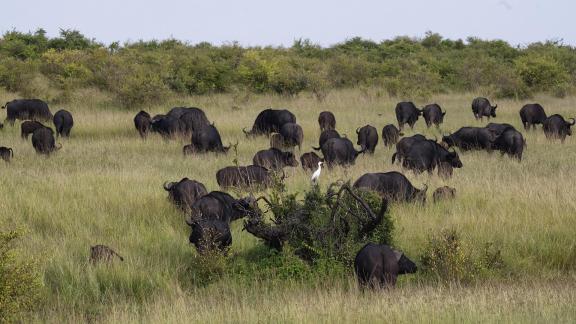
{"points": [[193, 119], [6, 153], [218, 205], [142, 122], [206, 139], [167, 126], [433, 115], [292, 135], [210, 234], [471, 138], [378, 265], [270, 121], [339, 151], [427, 155], [63, 122], [391, 185], [407, 113], [324, 136], [498, 129], [326, 120], [481, 107], [274, 159], [403, 146], [185, 192], [444, 193], [510, 142], [43, 141], [532, 114], [309, 161], [29, 126], [556, 127], [367, 138], [33, 109], [390, 135], [244, 177]]}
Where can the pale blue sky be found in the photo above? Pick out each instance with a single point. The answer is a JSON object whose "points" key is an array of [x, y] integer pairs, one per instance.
{"points": [[260, 22]]}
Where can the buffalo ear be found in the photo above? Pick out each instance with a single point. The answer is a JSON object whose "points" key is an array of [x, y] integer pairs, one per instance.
{"points": [[397, 254]]}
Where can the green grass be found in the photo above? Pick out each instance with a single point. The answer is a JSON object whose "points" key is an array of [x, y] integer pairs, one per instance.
{"points": [[105, 187]]}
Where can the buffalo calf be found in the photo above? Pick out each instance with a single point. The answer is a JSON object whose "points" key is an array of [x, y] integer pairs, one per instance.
{"points": [[6, 153], [378, 265]]}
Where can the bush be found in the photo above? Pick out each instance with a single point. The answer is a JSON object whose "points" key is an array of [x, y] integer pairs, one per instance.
{"points": [[19, 280], [542, 73], [142, 87]]}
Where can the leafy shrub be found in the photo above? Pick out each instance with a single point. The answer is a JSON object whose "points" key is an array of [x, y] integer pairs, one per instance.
{"points": [[142, 87], [541, 73], [19, 280]]}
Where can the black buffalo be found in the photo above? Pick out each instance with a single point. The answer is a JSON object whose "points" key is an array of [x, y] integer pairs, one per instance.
{"points": [[292, 135], [510, 142], [6, 153], [43, 141], [404, 145], [326, 120], [498, 129], [185, 192], [63, 122], [390, 135], [367, 138], [471, 138], [270, 121], [326, 135], [556, 127], [378, 265], [274, 159], [29, 126], [244, 177], [208, 235], [143, 122], [206, 139], [427, 155], [339, 151], [433, 115], [218, 205], [391, 185], [167, 126], [310, 161], [481, 107], [192, 120], [407, 113], [531, 115], [22, 109]]}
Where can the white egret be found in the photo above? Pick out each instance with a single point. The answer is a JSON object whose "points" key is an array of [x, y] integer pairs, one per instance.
{"points": [[316, 174]]}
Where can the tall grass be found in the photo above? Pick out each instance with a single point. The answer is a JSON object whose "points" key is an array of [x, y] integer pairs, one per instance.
{"points": [[105, 187]]}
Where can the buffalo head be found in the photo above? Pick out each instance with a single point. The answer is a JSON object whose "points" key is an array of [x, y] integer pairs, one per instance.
{"points": [[493, 110], [454, 159], [405, 265]]}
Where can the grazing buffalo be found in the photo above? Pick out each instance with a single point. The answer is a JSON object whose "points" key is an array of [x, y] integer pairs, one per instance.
{"points": [[292, 135], [404, 145], [309, 161], [471, 138], [367, 138], [29, 126], [178, 112], [326, 135], [339, 151], [407, 113], [532, 114], [427, 155], [210, 234], [510, 142], [390, 135], [192, 120], [63, 122], [22, 109], [185, 192], [326, 120], [218, 205], [274, 159], [270, 121], [142, 122], [443, 193], [167, 126], [378, 265], [433, 115], [556, 127], [244, 177], [206, 139], [498, 129], [391, 185], [481, 107], [43, 141], [6, 153]]}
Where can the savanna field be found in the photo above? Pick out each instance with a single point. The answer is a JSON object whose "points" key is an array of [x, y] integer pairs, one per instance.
{"points": [[105, 187]]}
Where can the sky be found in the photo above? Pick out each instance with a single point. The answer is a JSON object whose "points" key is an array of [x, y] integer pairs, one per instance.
{"points": [[260, 22]]}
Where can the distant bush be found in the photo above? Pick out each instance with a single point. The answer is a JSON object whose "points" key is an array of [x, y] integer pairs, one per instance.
{"points": [[19, 280]]}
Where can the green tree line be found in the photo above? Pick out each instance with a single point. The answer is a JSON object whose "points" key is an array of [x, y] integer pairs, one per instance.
{"points": [[147, 72]]}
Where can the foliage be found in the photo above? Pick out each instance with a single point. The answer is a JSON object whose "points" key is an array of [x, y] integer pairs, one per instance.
{"points": [[19, 280]]}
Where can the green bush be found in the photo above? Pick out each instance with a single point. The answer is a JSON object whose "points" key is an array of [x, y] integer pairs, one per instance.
{"points": [[542, 73], [19, 280]]}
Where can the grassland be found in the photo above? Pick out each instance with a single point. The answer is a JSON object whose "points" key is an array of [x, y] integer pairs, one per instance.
{"points": [[105, 186]]}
